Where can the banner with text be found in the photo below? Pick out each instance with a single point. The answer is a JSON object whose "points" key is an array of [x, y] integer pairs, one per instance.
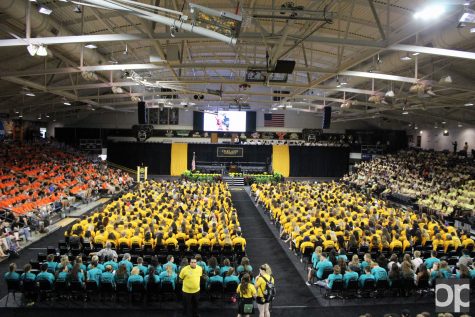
{"points": [[230, 152]]}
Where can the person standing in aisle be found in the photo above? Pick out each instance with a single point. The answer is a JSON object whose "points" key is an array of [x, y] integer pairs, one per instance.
{"points": [[191, 275], [265, 290]]}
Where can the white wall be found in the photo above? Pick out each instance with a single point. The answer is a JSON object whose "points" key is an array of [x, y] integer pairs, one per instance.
{"points": [[433, 139]]}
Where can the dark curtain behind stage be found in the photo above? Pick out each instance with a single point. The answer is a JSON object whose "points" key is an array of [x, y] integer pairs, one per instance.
{"points": [[318, 161], [154, 155], [207, 153]]}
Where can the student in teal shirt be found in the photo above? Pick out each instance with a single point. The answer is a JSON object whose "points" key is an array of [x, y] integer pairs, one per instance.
{"points": [[45, 275], [99, 266], [225, 267], [366, 276], [27, 275], [11, 275], [433, 259], [350, 275], [230, 277], [170, 262], [63, 275], [121, 275], [143, 269], [199, 261], [108, 276], [367, 261], [342, 255], [134, 277], [151, 277], [379, 273], [78, 260], [112, 262], [94, 273], [168, 275], [216, 278], [323, 265], [52, 265], [336, 275], [126, 261], [76, 275]]}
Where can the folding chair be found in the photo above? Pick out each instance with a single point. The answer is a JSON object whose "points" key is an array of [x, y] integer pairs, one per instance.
{"points": [[13, 287]]}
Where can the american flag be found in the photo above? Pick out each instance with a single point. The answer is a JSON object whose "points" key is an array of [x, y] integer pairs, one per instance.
{"points": [[193, 162], [274, 120]]}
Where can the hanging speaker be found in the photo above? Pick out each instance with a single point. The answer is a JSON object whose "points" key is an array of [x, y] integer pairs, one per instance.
{"points": [[141, 112], [327, 117]]}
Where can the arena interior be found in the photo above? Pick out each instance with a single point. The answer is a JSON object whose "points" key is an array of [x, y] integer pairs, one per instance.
{"points": [[317, 155]]}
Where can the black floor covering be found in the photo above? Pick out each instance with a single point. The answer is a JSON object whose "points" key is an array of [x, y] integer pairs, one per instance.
{"points": [[262, 247]]}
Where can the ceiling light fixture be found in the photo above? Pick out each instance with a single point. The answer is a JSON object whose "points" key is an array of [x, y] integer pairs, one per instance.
{"points": [[173, 31], [415, 53], [390, 94], [39, 50], [459, 125], [406, 58], [77, 9], [32, 49], [431, 12], [445, 80], [405, 112], [27, 92], [468, 104], [42, 51], [90, 46], [44, 10]]}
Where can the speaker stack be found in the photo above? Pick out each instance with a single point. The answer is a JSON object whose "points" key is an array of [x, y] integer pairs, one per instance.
{"points": [[327, 117]]}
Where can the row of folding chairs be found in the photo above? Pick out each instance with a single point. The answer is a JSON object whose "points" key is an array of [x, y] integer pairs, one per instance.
{"points": [[381, 288], [43, 290]]}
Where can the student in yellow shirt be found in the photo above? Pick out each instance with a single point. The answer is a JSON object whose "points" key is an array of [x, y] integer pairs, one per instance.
{"points": [[265, 275], [191, 275], [246, 293]]}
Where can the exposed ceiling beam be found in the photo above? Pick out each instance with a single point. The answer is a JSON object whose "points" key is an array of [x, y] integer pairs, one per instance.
{"points": [[379, 76], [179, 36], [148, 66], [432, 51]]}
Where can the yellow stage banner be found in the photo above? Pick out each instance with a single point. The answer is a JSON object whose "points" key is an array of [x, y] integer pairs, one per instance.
{"points": [[179, 159], [281, 159]]}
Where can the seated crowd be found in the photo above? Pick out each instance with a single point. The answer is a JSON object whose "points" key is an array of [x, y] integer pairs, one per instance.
{"points": [[160, 214], [348, 235], [418, 175], [37, 178], [128, 271], [158, 222]]}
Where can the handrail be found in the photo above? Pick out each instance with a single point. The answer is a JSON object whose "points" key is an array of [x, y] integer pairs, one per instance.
{"points": [[128, 170]]}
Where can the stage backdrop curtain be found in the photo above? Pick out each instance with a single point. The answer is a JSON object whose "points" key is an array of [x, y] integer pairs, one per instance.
{"points": [[132, 154], [281, 159], [319, 161], [179, 156]]}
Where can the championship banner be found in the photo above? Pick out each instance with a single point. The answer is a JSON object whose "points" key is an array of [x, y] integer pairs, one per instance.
{"points": [[230, 152]]}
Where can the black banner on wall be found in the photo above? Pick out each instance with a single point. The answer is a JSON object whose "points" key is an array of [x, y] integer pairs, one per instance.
{"points": [[230, 152]]}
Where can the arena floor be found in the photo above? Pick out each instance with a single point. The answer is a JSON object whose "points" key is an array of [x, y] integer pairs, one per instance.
{"points": [[294, 298]]}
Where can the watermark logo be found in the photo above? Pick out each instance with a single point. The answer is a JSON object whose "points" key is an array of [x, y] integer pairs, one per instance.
{"points": [[452, 295]]}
